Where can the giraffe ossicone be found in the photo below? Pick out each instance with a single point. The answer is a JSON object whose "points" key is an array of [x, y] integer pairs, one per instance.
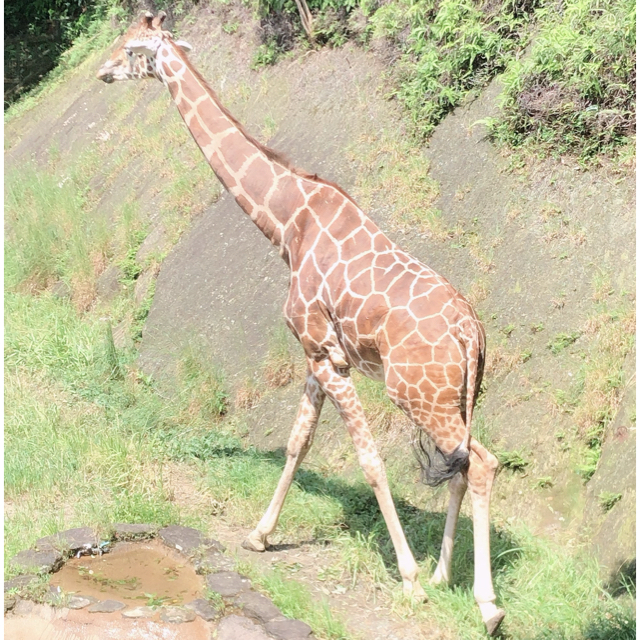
{"points": [[355, 300]]}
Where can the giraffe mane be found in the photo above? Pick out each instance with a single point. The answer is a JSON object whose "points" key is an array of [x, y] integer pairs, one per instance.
{"points": [[272, 154]]}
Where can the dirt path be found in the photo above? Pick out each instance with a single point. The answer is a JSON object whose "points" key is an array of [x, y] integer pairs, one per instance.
{"points": [[367, 612]]}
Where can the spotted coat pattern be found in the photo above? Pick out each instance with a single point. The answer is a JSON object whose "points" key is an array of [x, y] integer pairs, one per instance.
{"points": [[355, 300]]}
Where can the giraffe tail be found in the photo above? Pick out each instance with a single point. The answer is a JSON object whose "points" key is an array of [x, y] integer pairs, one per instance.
{"points": [[436, 465], [475, 348]]}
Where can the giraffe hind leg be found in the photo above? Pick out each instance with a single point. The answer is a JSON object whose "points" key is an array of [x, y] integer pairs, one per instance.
{"points": [[457, 489], [482, 470]]}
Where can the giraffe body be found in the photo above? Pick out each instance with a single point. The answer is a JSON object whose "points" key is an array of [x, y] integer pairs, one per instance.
{"points": [[355, 300]]}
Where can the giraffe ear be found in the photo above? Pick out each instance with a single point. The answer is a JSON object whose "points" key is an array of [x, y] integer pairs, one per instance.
{"points": [[185, 46], [159, 19], [146, 19]]}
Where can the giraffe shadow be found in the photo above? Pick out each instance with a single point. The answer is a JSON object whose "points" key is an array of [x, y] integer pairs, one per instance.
{"points": [[362, 519]]}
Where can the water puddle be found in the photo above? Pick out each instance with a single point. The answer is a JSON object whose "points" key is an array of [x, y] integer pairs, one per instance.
{"points": [[134, 573]]}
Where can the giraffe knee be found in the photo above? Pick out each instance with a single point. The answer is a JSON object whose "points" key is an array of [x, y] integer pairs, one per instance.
{"points": [[374, 472]]}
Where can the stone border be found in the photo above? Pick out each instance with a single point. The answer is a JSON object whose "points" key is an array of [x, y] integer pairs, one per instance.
{"points": [[244, 613]]}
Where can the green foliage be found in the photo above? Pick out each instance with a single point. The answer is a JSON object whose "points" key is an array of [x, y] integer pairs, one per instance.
{"points": [[608, 500], [447, 49], [575, 91], [512, 460], [41, 35], [562, 341]]}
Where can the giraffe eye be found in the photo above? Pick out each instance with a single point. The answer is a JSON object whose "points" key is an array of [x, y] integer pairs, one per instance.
{"points": [[129, 53]]}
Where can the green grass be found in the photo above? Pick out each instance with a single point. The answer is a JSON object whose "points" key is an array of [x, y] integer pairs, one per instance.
{"points": [[50, 235], [296, 601]]}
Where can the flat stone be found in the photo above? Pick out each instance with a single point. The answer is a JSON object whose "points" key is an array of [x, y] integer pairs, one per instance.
{"points": [[108, 284], [70, 540], [228, 583], [240, 628], [106, 606], [177, 615], [40, 561], [204, 609], [24, 607], [61, 290], [19, 582], [212, 560], [79, 602], [288, 629], [124, 531], [186, 539], [154, 244], [139, 612], [257, 606], [9, 603], [122, 335], [143, 286], [43, 611]]}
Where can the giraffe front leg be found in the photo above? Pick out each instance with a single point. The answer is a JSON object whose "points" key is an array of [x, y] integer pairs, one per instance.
{"points": [[482, 470], [299, 444], [341, 391]]}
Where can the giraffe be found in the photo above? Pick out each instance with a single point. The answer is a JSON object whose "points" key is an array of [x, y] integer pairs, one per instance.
{"points": [[355, 300]]}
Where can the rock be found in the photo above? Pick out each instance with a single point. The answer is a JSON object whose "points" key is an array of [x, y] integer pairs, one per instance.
{"points": [[79, 602], [19, 582], [24, 607], [212, 560], [155, 243], [139, 612], [122, 335], [186, 539], [288, 629], [43, 611], [204, 609], [239, 628], [70, 540], [61, 290], [257, 606], [123, 531], [612, 530], [9, 603], [143, 285], [108, 285], [227, 583], [177, 615], [106, 606], [40, 561]]}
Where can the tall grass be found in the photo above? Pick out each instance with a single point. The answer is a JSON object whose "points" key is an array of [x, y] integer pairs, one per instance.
{"points": [[51, 236]]}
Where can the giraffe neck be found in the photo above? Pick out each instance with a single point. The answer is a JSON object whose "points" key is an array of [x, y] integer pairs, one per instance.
{"points": [[240, 163]]}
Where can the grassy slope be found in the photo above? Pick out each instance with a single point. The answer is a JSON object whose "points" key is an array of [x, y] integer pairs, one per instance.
{"points": [[98, 434]]}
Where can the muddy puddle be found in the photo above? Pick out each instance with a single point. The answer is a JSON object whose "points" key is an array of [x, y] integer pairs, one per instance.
{"points": [[134, 573]]}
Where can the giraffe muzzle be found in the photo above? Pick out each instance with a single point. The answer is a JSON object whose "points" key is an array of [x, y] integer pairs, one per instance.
{"points": [[106, 72]]}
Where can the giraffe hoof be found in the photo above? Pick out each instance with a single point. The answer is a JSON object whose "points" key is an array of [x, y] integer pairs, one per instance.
{"points": [[414, 591], [438, 578], [493, 624], [253, 545]]}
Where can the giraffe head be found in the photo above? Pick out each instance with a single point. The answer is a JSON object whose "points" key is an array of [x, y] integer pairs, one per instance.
{"points": [[135, 58]]}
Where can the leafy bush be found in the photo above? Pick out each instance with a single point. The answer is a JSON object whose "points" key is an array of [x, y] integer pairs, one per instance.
{"points": [[448, 49], [576, 89]]}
